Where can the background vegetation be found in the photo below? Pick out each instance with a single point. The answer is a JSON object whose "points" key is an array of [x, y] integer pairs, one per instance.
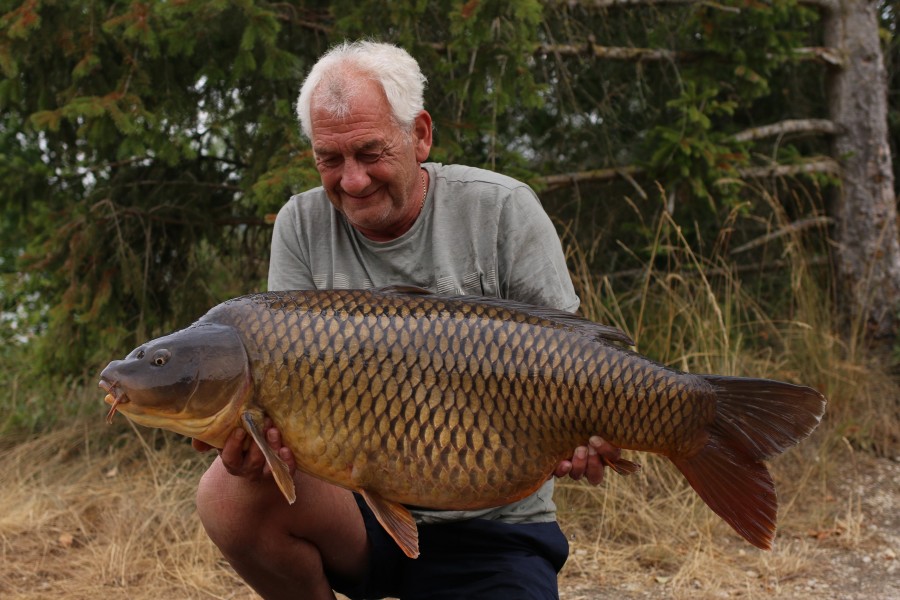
{"points": [[144, 147], [144, 144]]}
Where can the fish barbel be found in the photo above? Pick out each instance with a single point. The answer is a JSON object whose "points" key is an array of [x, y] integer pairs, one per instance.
{"points": [[454, 402]]}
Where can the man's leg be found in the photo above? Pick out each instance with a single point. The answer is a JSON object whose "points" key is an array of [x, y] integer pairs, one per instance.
{"points": [[283, 550]]}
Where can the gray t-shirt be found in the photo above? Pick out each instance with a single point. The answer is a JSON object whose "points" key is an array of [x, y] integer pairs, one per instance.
{"points": [[479, 233]]}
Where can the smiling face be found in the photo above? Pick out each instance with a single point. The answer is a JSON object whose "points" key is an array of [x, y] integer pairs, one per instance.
{"points": [[370, 166]]}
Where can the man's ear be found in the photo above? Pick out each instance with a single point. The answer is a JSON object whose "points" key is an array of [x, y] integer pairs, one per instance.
{"points": [[422, 135]]}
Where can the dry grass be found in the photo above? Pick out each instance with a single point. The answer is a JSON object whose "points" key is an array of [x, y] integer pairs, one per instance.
{"points": [[90, 511]]}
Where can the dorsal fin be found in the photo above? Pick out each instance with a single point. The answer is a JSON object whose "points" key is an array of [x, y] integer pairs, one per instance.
{"points": [[410, 290], [563, 319]]}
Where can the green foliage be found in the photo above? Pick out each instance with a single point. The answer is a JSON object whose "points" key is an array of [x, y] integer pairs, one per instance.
{"points": [[144, 138], [477, 58], [736, 55], [690, 149], [144, 146]]}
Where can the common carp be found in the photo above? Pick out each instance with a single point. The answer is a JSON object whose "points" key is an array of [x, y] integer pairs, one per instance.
{"points": [[455, 403]]}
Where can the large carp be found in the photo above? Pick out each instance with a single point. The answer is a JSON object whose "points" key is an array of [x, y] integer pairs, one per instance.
{"points": [[454, 402]]}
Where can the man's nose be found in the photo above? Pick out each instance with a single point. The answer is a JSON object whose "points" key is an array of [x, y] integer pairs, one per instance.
{"points": [[354, 178]]}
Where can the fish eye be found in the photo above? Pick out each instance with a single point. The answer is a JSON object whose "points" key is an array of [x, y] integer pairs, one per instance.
{"points": [[161, 357]]}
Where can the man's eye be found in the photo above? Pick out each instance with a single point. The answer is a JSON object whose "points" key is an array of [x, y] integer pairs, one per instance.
{"points": [[369, 158], [329, 161]]}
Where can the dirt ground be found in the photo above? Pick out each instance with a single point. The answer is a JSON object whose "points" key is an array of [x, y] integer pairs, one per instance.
{"points": [[857, 559]]}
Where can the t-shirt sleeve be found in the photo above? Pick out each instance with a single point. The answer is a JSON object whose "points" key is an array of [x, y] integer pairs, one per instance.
{"points": [[288, 266], [532, 267]]}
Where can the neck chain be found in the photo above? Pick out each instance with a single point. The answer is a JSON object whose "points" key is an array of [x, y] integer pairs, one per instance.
{"points": [[424, 190]]}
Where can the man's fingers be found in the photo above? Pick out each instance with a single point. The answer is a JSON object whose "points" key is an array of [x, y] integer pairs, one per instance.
{"points": [[563, 468], [273, 436], [240, 462], [594, 469], [579, 463], [604, 448]]}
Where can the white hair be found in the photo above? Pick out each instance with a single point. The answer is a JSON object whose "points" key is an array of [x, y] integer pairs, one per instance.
{"points": [[340, 73]]}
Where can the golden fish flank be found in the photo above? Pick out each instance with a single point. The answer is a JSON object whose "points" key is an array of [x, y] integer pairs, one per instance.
{"points": [[458, 403]]}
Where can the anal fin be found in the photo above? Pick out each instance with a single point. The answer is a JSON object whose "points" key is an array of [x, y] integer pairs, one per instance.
{"points": [[254, 424], [396, 520]]}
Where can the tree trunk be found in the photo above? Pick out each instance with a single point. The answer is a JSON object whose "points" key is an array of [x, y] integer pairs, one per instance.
{"points": [[868, 254]]}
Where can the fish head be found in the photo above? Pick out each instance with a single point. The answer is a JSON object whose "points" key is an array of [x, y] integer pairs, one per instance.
{"points": [[194, 382]]}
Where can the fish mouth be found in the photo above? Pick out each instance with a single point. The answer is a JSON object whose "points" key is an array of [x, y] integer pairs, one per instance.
{"points": [[114, 397]]}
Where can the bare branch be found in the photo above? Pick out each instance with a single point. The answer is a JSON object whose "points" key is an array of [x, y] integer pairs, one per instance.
{"points": [[795, 227], [617, 3], [612, 52], [815, 261], [825, 55], [822, 164], [819, 164], [567, 179], [824, 4], [809, 126], [829, 56]]}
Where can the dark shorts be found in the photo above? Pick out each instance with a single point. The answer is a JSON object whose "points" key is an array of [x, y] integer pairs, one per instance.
{"points": [[475, 559]]}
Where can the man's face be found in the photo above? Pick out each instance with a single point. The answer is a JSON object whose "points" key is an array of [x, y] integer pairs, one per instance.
{"points": [[369, 166]]}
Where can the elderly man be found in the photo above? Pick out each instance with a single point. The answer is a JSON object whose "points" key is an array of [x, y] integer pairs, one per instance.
{"points": [[385, 216]]}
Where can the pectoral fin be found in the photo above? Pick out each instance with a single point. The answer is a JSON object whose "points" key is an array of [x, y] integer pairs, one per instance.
{"points": [[396, 520], [253, 423], [620, 465]]}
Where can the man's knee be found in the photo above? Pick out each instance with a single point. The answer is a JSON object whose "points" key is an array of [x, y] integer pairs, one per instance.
{"points": [[225, 511]]}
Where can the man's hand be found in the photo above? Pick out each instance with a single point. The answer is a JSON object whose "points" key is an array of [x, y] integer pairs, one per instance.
{"points": [[589, 461], [241, 457]]}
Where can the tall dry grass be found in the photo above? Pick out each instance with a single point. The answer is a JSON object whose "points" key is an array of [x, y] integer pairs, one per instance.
{"points": [[91, 511], [650, 530], [88, 511]]}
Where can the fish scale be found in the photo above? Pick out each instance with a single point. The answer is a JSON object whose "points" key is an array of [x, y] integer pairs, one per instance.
{"points": [[459, 403], [356, 358]]}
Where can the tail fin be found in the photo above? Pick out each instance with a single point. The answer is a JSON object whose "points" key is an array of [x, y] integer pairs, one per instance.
{"points": [[756, 419]]}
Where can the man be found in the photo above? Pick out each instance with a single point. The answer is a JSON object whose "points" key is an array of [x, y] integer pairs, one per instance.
{"points": [[383, 216]]}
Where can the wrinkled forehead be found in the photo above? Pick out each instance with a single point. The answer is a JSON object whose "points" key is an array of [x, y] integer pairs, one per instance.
{"points": [[344, 100]]}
